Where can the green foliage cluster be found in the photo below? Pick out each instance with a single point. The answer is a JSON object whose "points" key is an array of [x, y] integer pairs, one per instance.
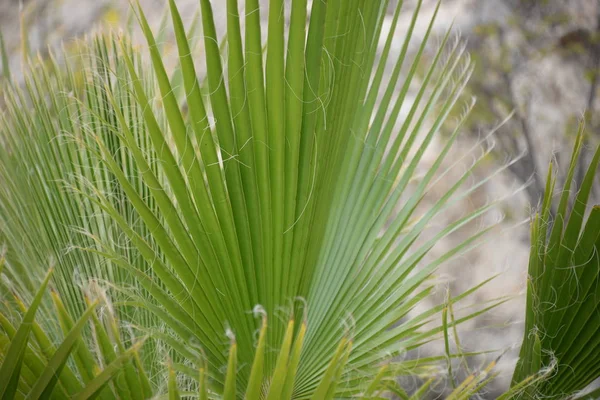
{"points": [[562, 326], [257, 233]]}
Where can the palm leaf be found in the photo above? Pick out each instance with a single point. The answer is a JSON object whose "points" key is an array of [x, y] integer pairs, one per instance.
{"points": [[41, 371], [292, 187], [49, 377], [562, 298], [14, 355]]}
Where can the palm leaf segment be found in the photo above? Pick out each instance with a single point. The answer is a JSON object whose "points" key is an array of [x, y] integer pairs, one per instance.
{"points": [[290, 182], [35, 369], [562, 326]]}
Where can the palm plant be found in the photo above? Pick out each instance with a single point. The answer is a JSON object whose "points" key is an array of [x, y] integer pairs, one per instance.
{"points": [[254, 232], [562, 330]]}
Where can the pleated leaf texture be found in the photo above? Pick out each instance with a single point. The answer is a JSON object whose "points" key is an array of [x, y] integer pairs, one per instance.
{"points": [[253, 216], [562, 328]]}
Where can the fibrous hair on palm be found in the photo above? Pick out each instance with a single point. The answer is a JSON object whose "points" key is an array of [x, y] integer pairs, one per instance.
{"points": [[290, 181]]}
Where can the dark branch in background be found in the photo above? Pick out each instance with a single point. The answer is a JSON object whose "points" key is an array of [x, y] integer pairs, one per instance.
{"points": [[501, 61], [528, 163], [594, 45], [526, 168]]}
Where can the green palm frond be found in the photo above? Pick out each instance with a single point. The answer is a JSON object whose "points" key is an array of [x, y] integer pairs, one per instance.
{"points": [[35, 369], [289, 184], [562, 325]]}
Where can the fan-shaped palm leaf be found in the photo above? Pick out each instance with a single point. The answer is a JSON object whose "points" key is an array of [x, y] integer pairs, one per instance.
{"points": [[562, 329], [291, 182]]}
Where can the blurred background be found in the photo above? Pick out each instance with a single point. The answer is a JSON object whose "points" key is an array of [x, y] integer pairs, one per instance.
{"points": [[536, 59]]}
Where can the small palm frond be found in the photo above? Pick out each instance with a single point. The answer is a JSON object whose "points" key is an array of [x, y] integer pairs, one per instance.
{"points": [[563, 299], [291, 183], [35, 369]]}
